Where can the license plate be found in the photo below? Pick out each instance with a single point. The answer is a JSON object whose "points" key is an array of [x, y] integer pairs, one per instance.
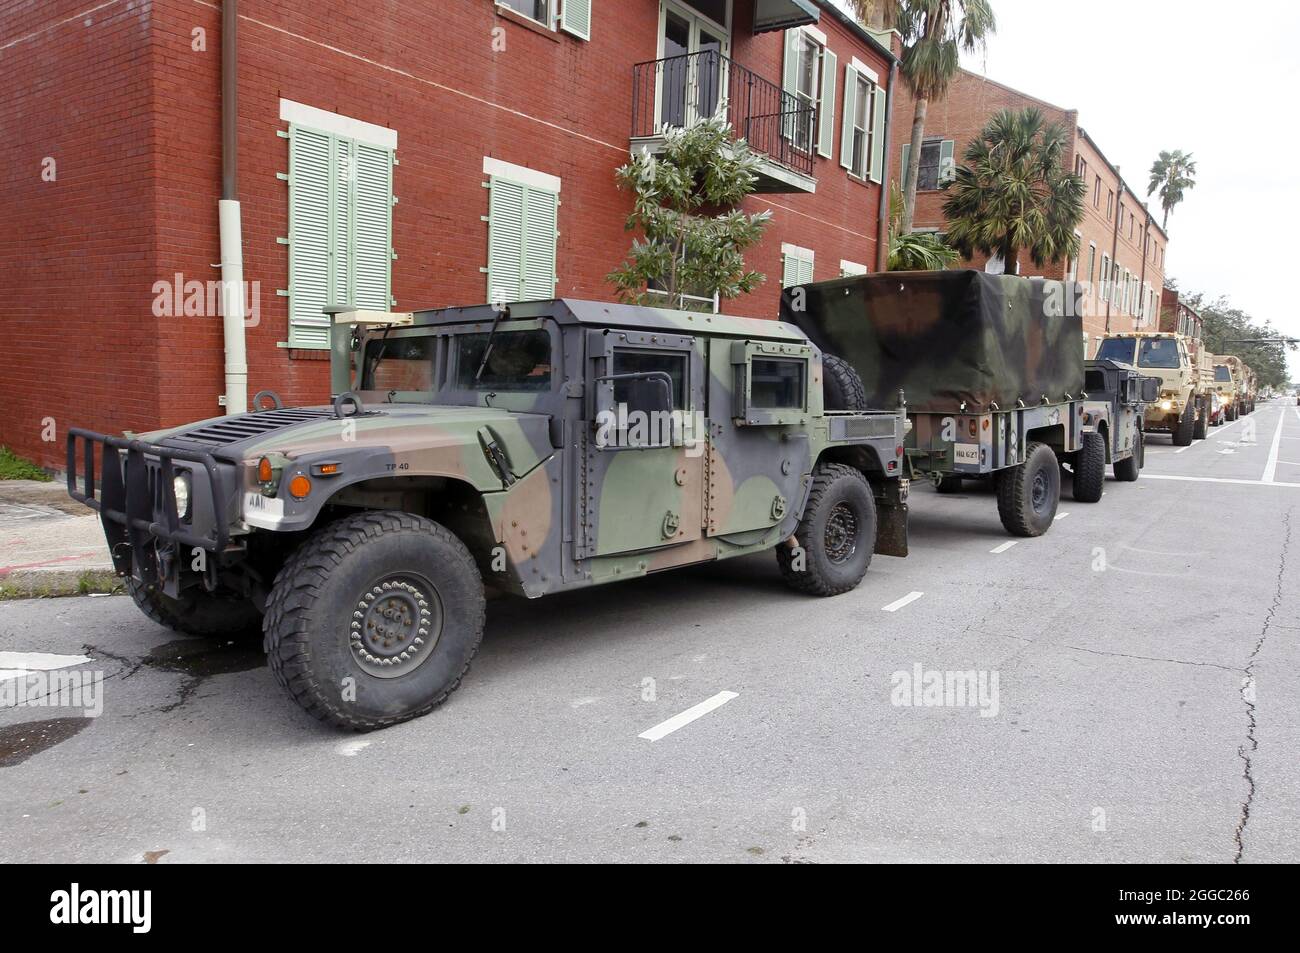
{"points": [[266, 511], [967, 453]]}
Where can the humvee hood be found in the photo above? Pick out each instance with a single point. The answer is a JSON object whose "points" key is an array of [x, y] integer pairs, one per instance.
{"points": [[413, 431]]}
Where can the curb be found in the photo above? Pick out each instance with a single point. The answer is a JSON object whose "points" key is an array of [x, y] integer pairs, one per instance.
{"points": [[50, 583]]}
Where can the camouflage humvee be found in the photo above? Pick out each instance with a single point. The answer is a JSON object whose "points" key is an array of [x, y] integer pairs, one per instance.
{"points": [[1116, 399], [547, 446]]}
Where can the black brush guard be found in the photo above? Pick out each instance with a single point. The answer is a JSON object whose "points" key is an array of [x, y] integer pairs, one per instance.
{"points": [[129, 506]]}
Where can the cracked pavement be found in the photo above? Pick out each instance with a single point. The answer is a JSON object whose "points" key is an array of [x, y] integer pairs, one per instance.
{"points": [[1148, 708]]}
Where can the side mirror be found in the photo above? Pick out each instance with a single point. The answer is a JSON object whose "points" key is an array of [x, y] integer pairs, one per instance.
{"points": [[1150, 390]]}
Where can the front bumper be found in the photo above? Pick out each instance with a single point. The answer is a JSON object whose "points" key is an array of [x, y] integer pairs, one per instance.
{"points": [[137, 501]]}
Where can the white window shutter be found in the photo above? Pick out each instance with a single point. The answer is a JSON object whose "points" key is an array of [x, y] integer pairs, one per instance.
{"points": [[947, 165], [789, 271], [805, 270], [826, 108], [878, 137], [372, 246], [540, 220], [789, 77], [506, 202], [309, 236], [846, 121], [341, 246], [575, 18]]}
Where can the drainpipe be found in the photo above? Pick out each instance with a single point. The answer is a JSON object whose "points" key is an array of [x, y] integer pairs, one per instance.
{"points": [[232, 246], [882, 224], [1146, 251], [1114, 245]]}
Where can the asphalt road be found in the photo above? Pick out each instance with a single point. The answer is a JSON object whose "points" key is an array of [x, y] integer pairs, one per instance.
{"points": [[1147, 707]]}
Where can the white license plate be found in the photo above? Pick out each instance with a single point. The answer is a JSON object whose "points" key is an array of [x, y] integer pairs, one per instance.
{"points": [[967, 453], [262, 510]]}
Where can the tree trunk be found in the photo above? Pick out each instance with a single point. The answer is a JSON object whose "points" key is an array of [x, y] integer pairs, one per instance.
{"points": [[1010, 259], [912, 172], [1164, 222]]}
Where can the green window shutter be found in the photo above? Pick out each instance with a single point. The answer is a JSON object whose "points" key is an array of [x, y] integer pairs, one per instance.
{"points": [[907, 154], [521, 241], [506, 202], [789, 76], [850, 109], [826, 108], [540, 220], [343, 175], [947, 167], [372, 247], [878, 137], [789, 271], [805, 270], [575, 18], [310, 219]]}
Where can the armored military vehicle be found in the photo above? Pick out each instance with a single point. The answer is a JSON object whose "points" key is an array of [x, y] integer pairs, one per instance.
{"points": [[1227, 388], [1245, 385], [1116, 399], [542, 447], [1186, 380], [990, 365]]}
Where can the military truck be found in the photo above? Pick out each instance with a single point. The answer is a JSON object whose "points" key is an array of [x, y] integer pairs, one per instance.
{"points": [[1227, 386], [990, 366], [1186, 380], [1245, 385], [538, 448], [1116, 399]]}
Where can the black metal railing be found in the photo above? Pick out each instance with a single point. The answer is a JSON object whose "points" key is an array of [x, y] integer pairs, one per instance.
{"points": [[680, 91]]}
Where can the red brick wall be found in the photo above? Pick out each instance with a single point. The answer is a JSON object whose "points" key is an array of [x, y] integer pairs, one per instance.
{"points": [[132, 111]]}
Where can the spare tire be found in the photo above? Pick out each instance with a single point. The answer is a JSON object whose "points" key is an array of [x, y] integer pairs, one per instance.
{"points": [[842, 388]]}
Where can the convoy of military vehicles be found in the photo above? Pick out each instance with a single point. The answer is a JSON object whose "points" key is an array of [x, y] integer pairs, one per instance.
{"points": [[551, 445]]}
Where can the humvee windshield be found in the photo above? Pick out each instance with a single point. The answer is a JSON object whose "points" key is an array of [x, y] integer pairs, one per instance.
{"points": [[519, 361], [1158, 352], [1221, 373], [399, 363], [1116, 349]]}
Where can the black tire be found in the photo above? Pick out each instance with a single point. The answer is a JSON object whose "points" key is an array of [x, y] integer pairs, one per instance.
{"points": [[837, 534], [1128, 469], [842, 387], [1028, 494], [1090, 468], [373, 575], [1183, 430], [209, 615], [1232, 413], [948, 484], [1202, 428]]}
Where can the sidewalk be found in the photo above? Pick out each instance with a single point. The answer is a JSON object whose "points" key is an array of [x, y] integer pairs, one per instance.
{"points": [[50, 545]]}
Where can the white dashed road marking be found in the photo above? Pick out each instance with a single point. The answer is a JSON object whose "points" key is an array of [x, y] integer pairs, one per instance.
{"points": [[899, 603], [686, 717], [1005, 546], [1061, 516], [19, 664]]}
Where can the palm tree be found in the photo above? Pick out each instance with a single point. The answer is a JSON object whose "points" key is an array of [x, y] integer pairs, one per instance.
{"points": [[1173, 174], [934, 33], [1014, 192]]}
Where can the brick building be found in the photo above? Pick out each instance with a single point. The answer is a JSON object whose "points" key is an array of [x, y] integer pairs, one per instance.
{"points": [[397, 155], [1122, 257]]}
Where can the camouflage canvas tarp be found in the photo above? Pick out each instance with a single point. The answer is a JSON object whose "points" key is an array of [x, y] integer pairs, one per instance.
{"points": [[948, 338]]}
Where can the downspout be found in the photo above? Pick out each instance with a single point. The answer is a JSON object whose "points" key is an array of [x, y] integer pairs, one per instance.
{"points": [[1114, 246], [882, 224], [1146, 252], [232, 245]]}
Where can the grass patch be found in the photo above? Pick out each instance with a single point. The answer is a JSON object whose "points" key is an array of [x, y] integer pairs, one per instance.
{"points": [[14, 467]]}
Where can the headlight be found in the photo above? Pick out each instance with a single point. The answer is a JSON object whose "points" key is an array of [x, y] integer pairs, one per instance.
{"points": [[181, 487], [1166, 405]]}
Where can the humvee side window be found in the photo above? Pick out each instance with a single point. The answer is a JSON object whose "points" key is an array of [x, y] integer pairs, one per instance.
{"points": [[1094, 382], [1158, 352], [644, 362], [777, 383], [1116, 349], [519, 361], [401, 364], [1221, 374]]}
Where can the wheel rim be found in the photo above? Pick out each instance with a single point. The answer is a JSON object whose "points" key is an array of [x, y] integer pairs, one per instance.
{"points": [[1038, 492], [395, 625], [841, 536]]}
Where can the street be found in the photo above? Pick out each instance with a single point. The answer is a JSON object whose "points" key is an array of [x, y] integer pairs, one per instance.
{"points": [[1142, 704]]}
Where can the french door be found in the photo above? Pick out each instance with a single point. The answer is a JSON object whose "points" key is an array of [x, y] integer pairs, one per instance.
{"points": [[693, 48]]}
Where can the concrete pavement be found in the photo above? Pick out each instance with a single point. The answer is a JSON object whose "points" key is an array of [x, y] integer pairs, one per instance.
{"points": [[1146, 707]]}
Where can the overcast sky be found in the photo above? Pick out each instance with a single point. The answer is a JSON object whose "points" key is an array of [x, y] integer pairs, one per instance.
{"points": [[1147, 75]]}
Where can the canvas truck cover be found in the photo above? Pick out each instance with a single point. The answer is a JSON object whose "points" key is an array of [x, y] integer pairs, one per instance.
{"points": [[948, 338]]}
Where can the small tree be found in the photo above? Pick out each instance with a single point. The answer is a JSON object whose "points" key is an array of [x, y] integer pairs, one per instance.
{"points": [[683, 250], [1014, 192], [1172, 174], [915, 251]]}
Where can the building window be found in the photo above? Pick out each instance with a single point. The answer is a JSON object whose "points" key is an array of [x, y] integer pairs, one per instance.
{"points": [[849, 269], [340, 218], [700, 300], [927, 176], [807, 74], [1096, 193], [796, 265], [1092, 261], [539, 10], [1080, 168], [1110, 204], [864, 110], [1104, 277], [523, 213]]}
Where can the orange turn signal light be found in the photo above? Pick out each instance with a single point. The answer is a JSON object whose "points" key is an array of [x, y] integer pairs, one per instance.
{"points": [[299, 486], [264, 472]]}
